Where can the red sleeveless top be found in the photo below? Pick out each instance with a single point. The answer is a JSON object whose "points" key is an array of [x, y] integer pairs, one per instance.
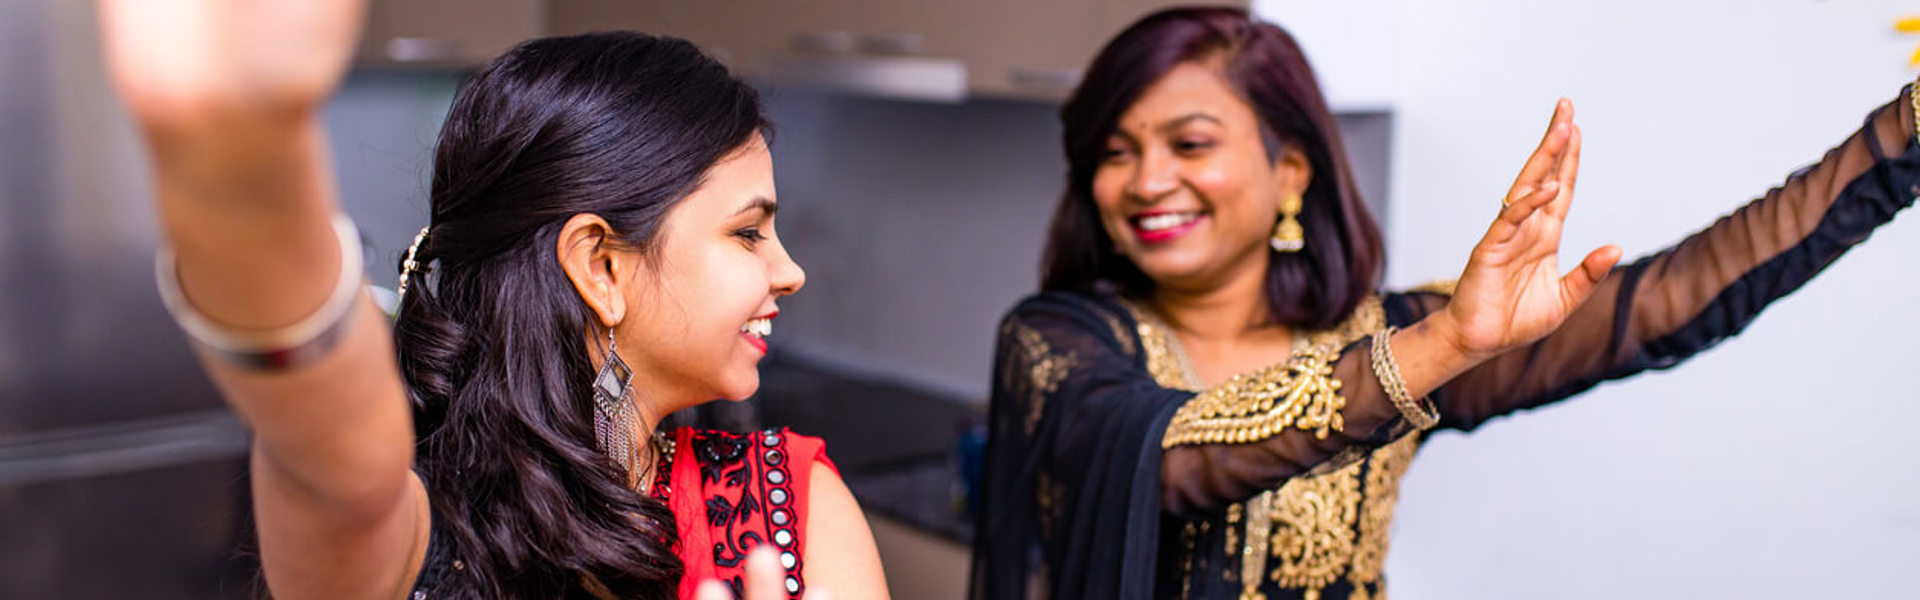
{"points": [[732, 492]]}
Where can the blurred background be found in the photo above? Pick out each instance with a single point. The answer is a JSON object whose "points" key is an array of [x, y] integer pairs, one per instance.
{"points": [[918, 159]]}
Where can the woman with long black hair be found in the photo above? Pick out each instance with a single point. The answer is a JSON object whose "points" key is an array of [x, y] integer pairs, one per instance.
{"points": [[601, 253]]}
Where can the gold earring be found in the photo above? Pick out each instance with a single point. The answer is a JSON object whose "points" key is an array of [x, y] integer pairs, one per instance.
{"points": [[1288, 237]]}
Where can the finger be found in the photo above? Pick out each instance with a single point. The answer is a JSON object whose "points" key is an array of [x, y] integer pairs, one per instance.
{"points": [[818, 594], [712, 589], [764, 580], [1579, 283], [1570, 160], [1518, 211], [1568, 172], [1546, 155]]}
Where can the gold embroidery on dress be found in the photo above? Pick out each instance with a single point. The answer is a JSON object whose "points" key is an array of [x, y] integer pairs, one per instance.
{"points": [[1253, 556], [1045, 369], [1318, 527], [1233, 531], [1120, 332], [1188, 534], [1313, 529], [1162, 364], [1388, 465], [1442, 287], [1250, 407], [1300, 393]]}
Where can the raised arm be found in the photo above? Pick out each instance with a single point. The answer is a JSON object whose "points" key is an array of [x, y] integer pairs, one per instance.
{"points": [[1666, 307], [1651, 314], [227, 94]]}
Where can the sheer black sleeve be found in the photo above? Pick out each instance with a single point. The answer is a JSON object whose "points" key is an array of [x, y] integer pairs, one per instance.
{"points": [[1662, 309], [1650, 314]]}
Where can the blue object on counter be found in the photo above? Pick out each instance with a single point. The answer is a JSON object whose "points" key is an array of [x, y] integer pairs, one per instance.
{"points": [[972, 453]]}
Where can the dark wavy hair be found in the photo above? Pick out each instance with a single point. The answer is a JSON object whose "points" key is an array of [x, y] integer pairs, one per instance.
{"points": [[1315, 288], [493, 344]]}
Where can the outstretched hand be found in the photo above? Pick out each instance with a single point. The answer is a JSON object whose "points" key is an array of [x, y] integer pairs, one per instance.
{"points": [[198, 66], [1512, 292]]}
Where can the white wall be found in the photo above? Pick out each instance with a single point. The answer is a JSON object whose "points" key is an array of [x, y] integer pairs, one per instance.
{"points": [[1777, 466]]}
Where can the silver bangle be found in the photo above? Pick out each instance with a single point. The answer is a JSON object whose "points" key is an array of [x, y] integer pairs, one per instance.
{"points": [[280, 348]]}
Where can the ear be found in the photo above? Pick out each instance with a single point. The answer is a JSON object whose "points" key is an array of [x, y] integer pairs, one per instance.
{"points": [[598, 267], [1293, 172]]}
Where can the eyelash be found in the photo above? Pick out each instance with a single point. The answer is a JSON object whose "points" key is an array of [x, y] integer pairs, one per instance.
{"points": [[1183, 147], [1192, 145], [751, 234]]}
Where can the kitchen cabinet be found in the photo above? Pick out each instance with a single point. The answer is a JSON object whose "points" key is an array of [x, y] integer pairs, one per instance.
{"points": [[1032, 49]]}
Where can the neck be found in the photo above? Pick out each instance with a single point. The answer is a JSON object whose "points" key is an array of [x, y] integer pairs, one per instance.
{"points": [[650, 417], [648, 411], [1226, 311]]}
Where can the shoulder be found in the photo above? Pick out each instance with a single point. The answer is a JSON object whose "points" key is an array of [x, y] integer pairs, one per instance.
{"points": [[1053, 313], [840, 551], [1438, 287], [1059, 301]]}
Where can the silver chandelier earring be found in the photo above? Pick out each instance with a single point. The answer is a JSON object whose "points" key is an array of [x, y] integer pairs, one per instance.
{"points": [[614, 418]]}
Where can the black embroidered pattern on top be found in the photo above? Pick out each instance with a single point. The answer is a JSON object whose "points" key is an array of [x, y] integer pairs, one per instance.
{"points": [[754, 465]]}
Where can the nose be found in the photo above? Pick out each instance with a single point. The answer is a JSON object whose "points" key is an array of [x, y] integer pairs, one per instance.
{"points": [[1154, 175], [786, 276]]}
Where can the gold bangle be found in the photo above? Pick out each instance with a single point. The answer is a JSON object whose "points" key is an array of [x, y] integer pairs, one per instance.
{"points": [[1913, 98], [1421, 414], [1300, 393]]}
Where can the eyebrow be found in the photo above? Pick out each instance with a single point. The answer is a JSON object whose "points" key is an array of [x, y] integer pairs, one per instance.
{"points": [[1174, 123], [765, 204]]}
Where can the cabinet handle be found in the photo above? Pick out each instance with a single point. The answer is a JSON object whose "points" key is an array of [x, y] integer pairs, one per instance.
{"points": [[824, 42], [904, 43], [1044, 78], [412, 49]]}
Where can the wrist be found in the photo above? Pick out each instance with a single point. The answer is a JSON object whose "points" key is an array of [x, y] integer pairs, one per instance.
{"points": [[233, 136], [1451, 337]]}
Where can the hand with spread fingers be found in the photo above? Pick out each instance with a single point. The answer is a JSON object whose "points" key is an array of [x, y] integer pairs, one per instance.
{"points": [[1512, 292]]}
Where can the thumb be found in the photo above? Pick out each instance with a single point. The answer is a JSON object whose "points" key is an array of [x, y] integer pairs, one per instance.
{"points": [[1578, 284]]}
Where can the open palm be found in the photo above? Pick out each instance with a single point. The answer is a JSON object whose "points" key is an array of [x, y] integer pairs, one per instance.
{"points": [[215, 63], [1512, 292]]}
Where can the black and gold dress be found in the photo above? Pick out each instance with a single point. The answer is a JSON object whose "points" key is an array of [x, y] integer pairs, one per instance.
{"points": [[1111, 473]]}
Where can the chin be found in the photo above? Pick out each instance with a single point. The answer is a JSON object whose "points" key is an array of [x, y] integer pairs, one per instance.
{"points": [[741, 387], [1172, 267]]}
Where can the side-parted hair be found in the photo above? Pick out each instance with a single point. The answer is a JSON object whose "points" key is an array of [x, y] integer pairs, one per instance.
{"points": [[1314, 288]]}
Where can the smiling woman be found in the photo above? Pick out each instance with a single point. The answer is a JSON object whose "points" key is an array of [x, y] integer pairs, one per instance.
{"points": [[1210, 399], [602, 252]]}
